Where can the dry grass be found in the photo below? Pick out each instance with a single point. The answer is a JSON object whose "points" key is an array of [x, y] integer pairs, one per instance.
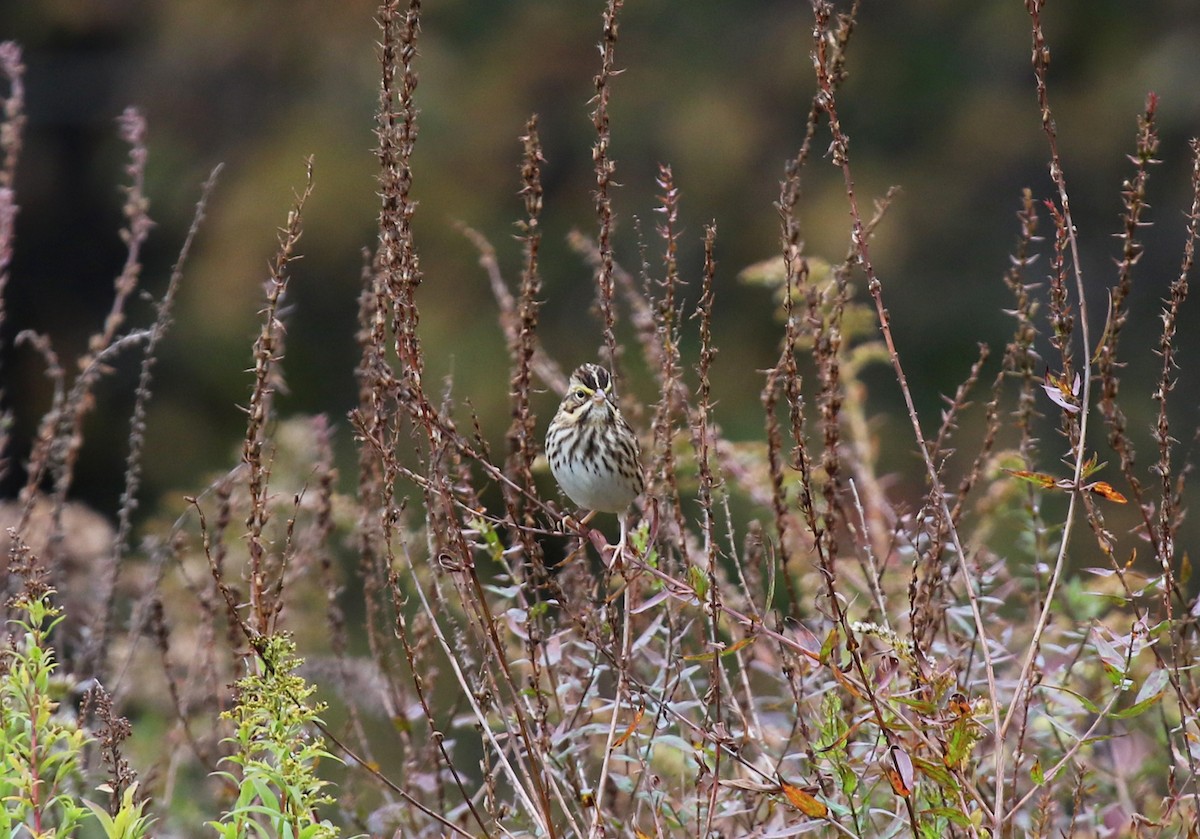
{"points": [[839, 661]]}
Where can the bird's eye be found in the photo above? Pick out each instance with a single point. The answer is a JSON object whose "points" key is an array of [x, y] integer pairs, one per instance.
{"points": [[581, 393]]}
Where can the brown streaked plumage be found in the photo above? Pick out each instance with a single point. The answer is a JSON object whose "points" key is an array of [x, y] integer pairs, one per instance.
{"points": [[593, 452]]}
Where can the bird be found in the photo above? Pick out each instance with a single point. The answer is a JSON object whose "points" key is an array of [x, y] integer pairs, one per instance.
{"points": [[593, 452]]}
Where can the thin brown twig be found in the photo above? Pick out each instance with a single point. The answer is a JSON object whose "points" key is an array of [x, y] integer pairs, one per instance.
{"points": [[840, 155], [1041, 58]]}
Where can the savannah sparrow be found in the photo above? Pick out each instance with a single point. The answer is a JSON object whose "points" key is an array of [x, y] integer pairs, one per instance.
{"points": [[593, 452]]}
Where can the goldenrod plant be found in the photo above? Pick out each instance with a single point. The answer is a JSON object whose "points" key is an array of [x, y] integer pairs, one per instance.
{"points": [[41, 741], [276, 750]]}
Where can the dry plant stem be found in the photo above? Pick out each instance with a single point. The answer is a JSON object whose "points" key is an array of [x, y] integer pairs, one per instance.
{"points": [[232, 606], [954, 405], [797, 272], [106, 584], [11, 131], [143, 613], [1041, 58], [991, 430], [459, 444], [843, 397], [423, 697], [623, 665], [133, 132], [605, 167], [827, 353], [64, 422], [532, 810], [383, 779], [374, 491], [1160, 526], [475, 595], [538, 777], [521, 337], [335, 616], [267, 356], [785, 368], [664, 321], [1070, 753], [701, 441], [59, 437], [751, 721], [254, 639], [840, 152], [873, 571], [8, 224], [546, 368], [1133, 195], [397, 259], [397, 278], [521, 435], [393, 284], [13, 126], [41, 456], [1170, 319]]}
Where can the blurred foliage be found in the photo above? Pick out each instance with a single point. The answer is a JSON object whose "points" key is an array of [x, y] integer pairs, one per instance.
{"points": [[939, 101]]}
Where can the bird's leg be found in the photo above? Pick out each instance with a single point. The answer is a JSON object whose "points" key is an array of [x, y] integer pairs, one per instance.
{"points": [[618, 553]]}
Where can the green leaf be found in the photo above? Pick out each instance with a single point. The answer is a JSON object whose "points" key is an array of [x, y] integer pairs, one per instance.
{"points": [[937, 773], [1089, 705], [490, 538], [1137, 708], [1154, 686], [831, 641], [952, 813]]}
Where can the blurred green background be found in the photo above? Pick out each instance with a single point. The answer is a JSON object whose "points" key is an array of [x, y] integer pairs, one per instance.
{"points": [[940, 101]]}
